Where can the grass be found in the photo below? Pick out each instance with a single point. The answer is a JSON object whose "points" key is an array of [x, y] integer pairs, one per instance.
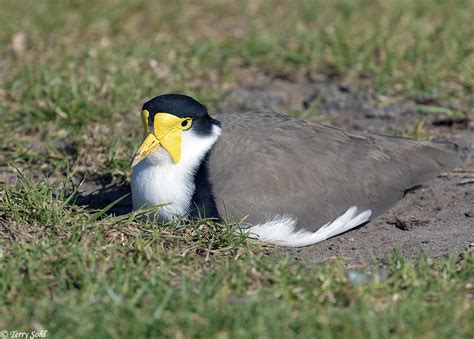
{"points": [[73, 76], [119, 276], [76, 70]]}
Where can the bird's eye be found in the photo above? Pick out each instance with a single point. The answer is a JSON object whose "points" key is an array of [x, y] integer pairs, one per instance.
{"points": [[186, 123]]}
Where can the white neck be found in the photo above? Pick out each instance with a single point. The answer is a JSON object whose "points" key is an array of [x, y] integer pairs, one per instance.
{"points": [[156, 180]]}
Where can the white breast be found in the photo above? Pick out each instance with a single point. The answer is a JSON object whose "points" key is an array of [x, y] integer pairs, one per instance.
{"points": [[157, 180], [158, 184]]}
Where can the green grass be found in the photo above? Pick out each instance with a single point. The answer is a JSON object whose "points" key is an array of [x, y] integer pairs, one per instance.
{"points": [[85, 69], [70, 94], [119, 276]]}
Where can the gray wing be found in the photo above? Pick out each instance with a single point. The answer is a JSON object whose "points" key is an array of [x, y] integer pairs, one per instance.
{"points": [[267, 164]]}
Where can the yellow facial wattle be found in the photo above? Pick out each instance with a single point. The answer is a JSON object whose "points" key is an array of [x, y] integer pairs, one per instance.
{"points": [[167, 129]]}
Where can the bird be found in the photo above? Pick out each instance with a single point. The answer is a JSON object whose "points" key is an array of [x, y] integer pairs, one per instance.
{"points": [[286, 181]]}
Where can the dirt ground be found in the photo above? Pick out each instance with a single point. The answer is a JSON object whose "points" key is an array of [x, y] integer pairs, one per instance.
{"points": [[437, 219]]}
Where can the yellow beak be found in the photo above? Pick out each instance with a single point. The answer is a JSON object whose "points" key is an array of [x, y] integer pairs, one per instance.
{"points": [[167, 130], [149, 145]]}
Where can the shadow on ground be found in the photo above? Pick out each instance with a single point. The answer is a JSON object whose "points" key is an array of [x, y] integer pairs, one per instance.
{"points": [[94, 196]]}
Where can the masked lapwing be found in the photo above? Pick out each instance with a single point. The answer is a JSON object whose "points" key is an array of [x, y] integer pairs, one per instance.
{"points": [[294, 183]]}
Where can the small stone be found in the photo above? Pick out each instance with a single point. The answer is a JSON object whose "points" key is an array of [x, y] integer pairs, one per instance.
{"points": [[18, 44], [400, 224]]}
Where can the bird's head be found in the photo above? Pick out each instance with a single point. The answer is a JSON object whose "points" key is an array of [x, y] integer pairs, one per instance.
{"points": [[169, 117]]}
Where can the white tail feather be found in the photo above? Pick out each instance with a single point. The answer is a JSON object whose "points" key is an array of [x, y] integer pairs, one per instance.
{"points": [[280, 230]]}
